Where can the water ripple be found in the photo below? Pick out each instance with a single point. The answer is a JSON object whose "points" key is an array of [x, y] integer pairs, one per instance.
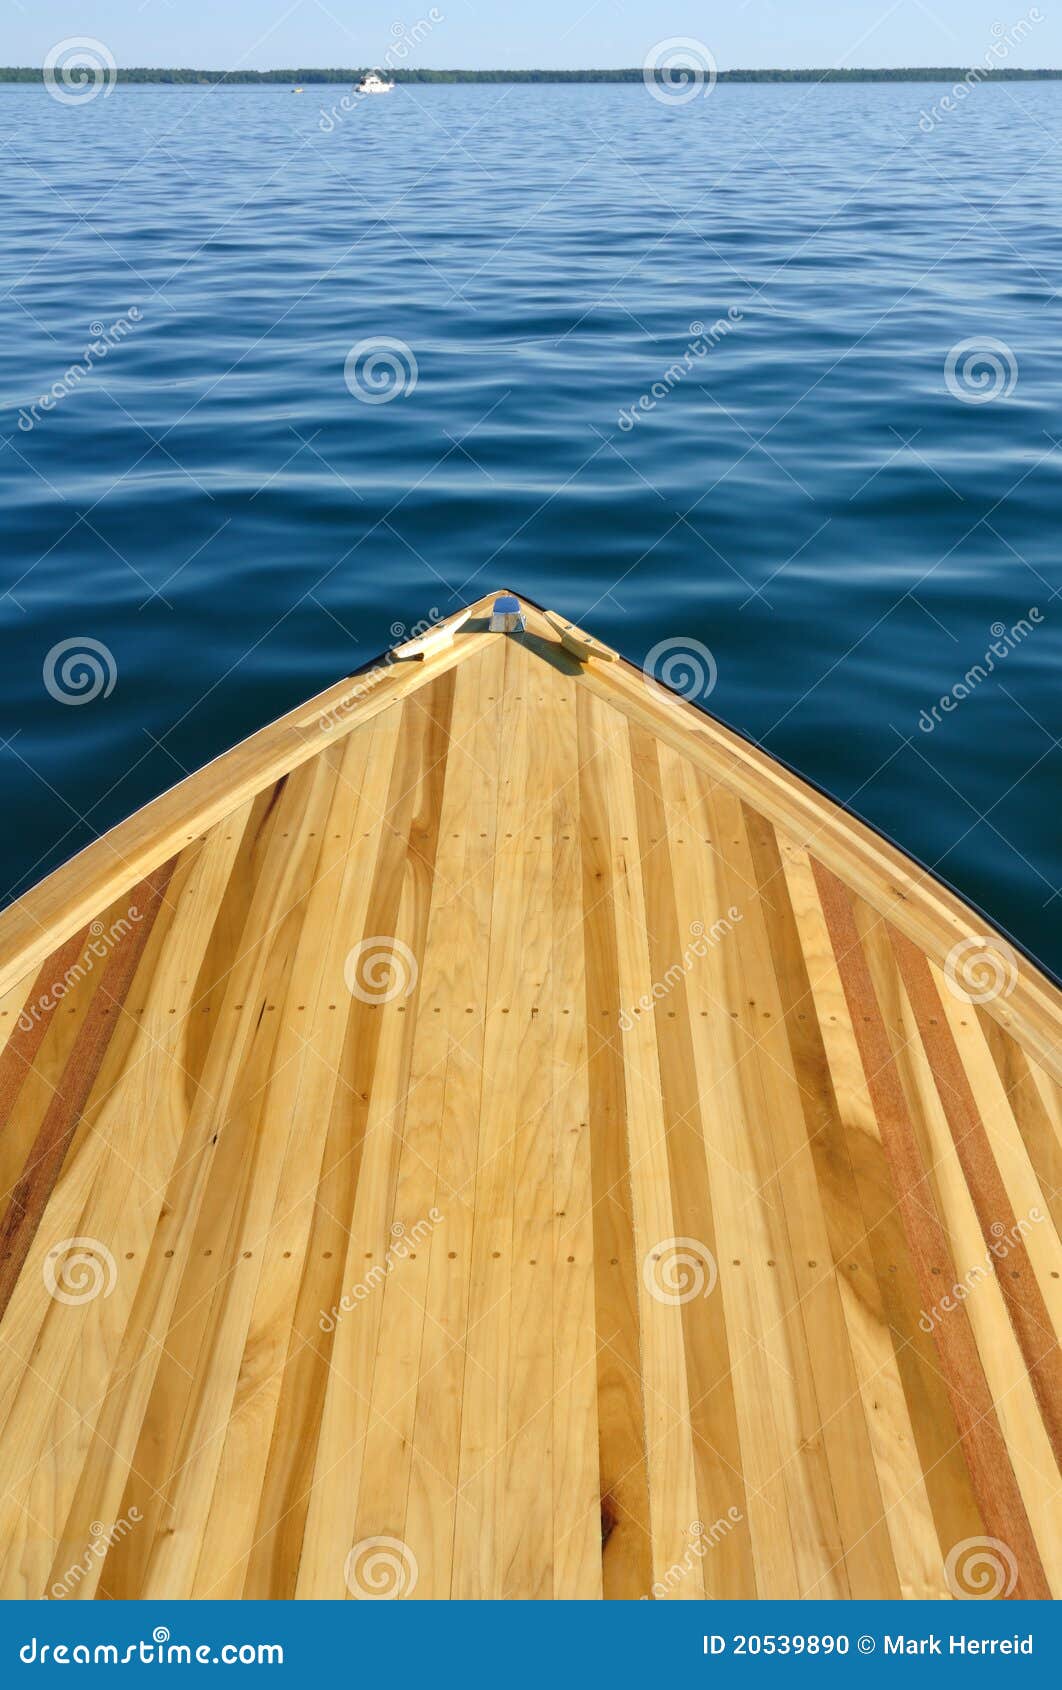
{"points": [[809, 498]]}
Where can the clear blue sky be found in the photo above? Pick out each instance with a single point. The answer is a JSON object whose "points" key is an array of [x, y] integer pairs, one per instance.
{"points": [[262, 34]]}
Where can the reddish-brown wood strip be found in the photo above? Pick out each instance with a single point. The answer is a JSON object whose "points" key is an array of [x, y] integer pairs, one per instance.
{"points": [[1042, 1142], [19, 1053], [1021, 1291], [983, 1445], [31, 1194]]}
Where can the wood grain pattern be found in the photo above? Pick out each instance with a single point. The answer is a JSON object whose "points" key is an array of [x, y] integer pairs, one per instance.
{"points": [[28, 1197], [530, 1147]]}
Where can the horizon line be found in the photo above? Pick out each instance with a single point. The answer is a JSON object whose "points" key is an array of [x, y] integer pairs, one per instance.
{"points": [[620, 73]]}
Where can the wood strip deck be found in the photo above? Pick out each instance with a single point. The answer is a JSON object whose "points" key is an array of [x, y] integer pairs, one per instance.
{"points": [[526, 1145]]}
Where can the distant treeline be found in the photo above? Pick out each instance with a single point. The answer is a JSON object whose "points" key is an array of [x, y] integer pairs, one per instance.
{"points": [[940, 73]]}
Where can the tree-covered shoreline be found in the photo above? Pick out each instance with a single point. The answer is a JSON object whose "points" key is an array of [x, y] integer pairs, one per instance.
{"points": [[336, 75]]}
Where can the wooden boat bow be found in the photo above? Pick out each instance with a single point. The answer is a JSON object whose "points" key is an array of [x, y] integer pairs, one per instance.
{"points": [[498, 1133]]}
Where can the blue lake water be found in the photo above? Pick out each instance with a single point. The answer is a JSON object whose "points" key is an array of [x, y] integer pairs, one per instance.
{"points": [[816, 496]]}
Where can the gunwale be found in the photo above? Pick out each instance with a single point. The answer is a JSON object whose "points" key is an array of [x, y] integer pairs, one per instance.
{"points": [[920, 903]]}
